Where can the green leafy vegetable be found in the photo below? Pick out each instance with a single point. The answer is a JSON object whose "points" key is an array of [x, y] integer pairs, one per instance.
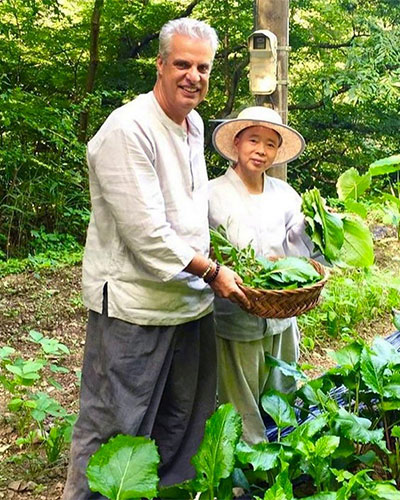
{"points": [[262, 456], [259, 272], [357, 429], [277, 406], [385, 166], [357, 249], [215, 458], [351, 184], [325, 229], [343, 239], [125, 468]]}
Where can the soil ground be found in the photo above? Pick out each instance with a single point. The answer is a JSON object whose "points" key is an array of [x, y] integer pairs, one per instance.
{"points": [[49, 301]]}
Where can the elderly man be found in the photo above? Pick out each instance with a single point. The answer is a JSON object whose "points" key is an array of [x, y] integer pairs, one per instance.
{"points": [[149, 362]]}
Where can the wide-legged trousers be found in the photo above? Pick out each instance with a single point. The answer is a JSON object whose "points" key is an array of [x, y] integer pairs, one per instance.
{"points": [[243, 375], [144, 380]]}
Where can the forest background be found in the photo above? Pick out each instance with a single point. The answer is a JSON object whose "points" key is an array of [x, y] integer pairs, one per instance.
{"points": [[344, 71]]}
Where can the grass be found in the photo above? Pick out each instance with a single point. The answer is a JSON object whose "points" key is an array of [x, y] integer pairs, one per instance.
{"points": [[42, 260], [350, 298]]}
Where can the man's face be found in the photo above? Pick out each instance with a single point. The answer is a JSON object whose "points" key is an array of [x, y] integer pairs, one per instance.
{"points": [[183, 76]]}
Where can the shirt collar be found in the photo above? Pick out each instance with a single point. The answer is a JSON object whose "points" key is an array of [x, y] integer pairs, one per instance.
{"points": [[237, 181], [170, 124]]}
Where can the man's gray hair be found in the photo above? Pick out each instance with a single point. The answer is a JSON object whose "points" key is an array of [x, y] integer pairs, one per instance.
{"points": [[187, 27]]}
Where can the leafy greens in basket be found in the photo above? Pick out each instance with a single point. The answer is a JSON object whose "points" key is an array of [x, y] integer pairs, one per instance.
{"points": [[259, 272]]}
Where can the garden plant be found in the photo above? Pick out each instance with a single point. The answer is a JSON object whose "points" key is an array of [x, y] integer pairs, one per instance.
{"points": [[338, 437]]}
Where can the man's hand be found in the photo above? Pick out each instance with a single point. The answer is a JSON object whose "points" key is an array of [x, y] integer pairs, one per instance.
{"points": [[225, 285]]}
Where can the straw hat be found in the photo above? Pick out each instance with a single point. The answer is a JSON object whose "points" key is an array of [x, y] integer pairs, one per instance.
{"points": [[292, 144]]}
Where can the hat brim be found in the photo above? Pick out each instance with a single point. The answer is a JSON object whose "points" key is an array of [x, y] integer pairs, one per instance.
{"points": [[291, 147]]}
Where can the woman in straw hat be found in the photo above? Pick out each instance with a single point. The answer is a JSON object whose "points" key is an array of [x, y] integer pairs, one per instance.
{"points": [[265, 212]]}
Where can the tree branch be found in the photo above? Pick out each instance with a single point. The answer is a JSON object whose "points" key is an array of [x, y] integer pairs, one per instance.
{"points": [[231, 90], [148, 38], [230, 50], [320, 103]]}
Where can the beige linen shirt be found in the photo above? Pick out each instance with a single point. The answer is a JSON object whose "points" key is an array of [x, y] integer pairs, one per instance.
{"points": [[148, 187]]}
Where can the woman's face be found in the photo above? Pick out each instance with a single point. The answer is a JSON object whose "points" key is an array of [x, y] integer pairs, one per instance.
{"points": [[257, 148]]}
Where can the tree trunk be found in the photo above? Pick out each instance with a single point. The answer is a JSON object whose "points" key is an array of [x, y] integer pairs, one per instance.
{"points": [[94, 61]]}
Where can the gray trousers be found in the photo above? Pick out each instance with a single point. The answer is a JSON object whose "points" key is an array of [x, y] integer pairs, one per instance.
{"points": [[144, 380]]}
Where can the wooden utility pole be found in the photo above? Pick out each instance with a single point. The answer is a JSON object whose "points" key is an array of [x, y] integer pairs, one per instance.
{"points": [[273, 15]]}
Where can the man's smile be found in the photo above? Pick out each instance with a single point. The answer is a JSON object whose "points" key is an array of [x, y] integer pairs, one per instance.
{"points": [[190, 90]]}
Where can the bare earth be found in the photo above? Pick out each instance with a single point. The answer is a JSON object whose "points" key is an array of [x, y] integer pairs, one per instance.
{"points": [[49, 302]]}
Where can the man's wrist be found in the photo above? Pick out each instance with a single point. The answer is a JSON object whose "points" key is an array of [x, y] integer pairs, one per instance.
{"points": [[207, 270], [214, 274]]}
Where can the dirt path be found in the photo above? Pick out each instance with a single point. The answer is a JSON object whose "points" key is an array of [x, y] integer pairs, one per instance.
{"points": [[49, 302]]}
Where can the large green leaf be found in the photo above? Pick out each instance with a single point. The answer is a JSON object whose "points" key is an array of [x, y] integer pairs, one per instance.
{"points": [[288, 369], [293, 269], [356, 208], [385, 351], [383, 490], [277, 406], [349, 355], [326, 445], [215, 457], [125, 468], [385, 166], [372, 368], [357, 249], [396, 431], [392, 391], [357, 429], [306, 430], [390, 405], [276, 492], [350, 185], [282, 488], [325, 229], [262, 456]]}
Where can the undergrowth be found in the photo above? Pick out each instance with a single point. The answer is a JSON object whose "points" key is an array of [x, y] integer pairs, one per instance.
{"points": [[350, 297]]}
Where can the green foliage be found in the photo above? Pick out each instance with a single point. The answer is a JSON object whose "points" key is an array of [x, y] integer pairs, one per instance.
{"points": [[350, 297], [258, 272], [343, 94], [387, 166], [341, 238], [214, 459], [357, 249], [40, 420], [351, 184], [325, 229], [339, 452], [49, 251], [278, 407], [125, 468]]}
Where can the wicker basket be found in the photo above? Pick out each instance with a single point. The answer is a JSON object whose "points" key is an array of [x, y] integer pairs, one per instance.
{"points": [[286, 303]]}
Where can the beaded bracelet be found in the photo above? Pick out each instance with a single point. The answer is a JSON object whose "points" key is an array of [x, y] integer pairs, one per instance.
{"points": [[210, 264], [214, 274]]}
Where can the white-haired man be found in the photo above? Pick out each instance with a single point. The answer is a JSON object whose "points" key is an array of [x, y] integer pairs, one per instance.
{"points": [[149, 362]]}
